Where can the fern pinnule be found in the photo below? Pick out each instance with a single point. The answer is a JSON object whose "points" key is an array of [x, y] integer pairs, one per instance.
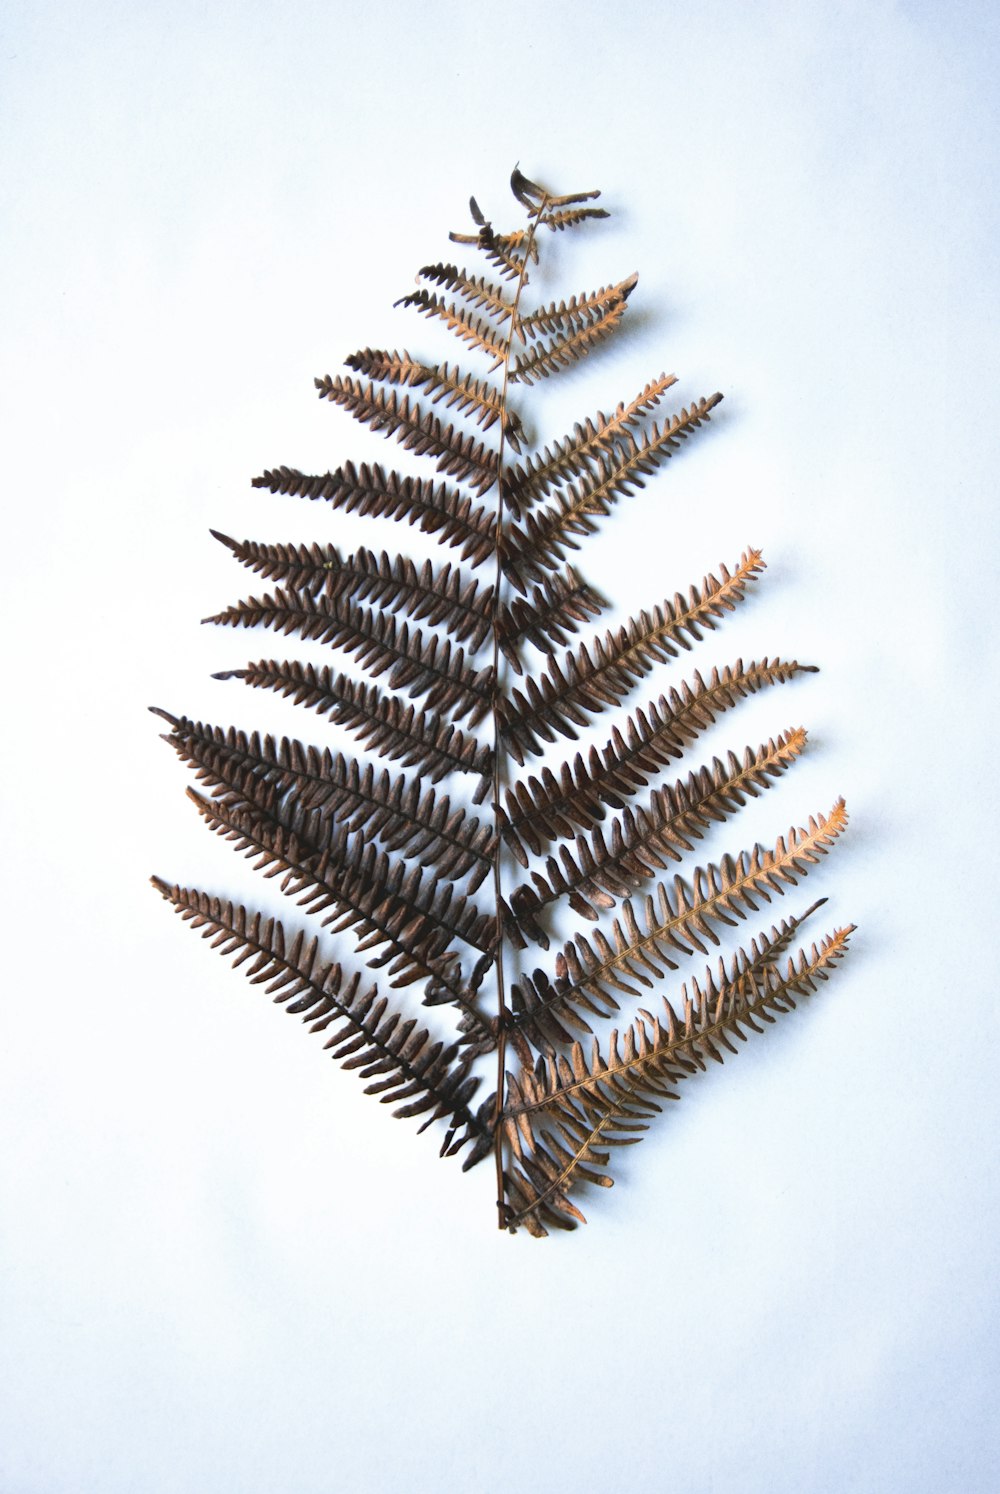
{"points": [[554, 610]]}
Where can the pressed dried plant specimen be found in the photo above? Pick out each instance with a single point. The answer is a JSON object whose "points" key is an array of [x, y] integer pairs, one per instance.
{"points": [[463, 846]]}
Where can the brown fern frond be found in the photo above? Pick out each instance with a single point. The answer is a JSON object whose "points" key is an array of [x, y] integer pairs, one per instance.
{"points": [[429, 668], [480, 293], [406, 817], [509, 252], [393, 583], [554, 610], [611, 1100], [677, 921], [542, 809], [589, 680], [444, 598], [478, 398], [371, 492], [536, 1027], [396, 858], [389, 368], [476, 331], [385, 724], [657, 1055], [641, 843], [413, 921], [538, 1182], [542, 541], [529, 193], [560, 351], [423, 433], [541, 204], [564, 318], [424, 1078], [305, 567], [569, 217], [568, 199], [576, 454]]}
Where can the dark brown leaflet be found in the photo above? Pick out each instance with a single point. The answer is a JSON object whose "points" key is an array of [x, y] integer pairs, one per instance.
{"points": [[402, 812], [369, 491], [547, 808], [391, 863], [417, 1075]]}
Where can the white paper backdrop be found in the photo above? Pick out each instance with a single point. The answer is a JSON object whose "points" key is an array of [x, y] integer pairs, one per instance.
{"points": [[224, 1268]]}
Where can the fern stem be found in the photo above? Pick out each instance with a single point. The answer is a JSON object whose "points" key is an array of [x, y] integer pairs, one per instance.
{"points": [[503, 1212]]}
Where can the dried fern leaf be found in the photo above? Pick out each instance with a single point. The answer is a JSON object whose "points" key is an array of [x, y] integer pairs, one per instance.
{"points": [[609, 1100], [529, 193], [389, 368], [541, 204], [587, 681], [427, 668], [566, 318], [371, 1038], [478, 398], [656, 1055], [675, 921], [414, 921], [640, 843], [458, 456], [569, 217], [542, 541], [371, 492], [536, 1027], [304, 567], [551, 355], [407, 818], [538, 810], [480, 293], [469, 328], [444, 598], [385, 724], [554, 610], [397, 860], [576, 454], [509, 252]]}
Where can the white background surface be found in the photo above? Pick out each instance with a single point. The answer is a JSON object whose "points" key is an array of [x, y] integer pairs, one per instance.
{"points": [[222, 1268]]}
